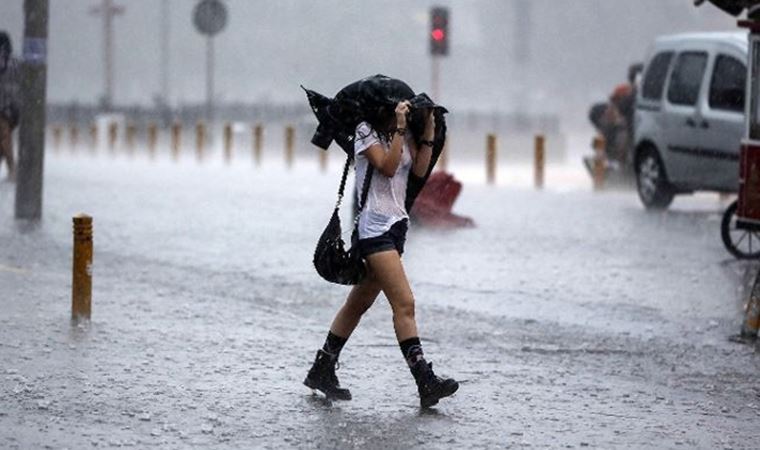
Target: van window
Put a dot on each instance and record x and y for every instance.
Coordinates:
(654, 80)
(728, 83)
(687, 78)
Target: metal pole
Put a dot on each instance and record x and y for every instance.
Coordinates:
(165, 50)
(435, 74)
(209, 78)
(34, 96)
(109, 10)
(108, 52)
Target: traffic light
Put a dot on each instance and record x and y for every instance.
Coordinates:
(439, 31)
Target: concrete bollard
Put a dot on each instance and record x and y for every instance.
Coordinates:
(290, 137)
(491, 159)
(152, 139)
(131, 132)
(113, 134)
(94, 136)
(81, 285)
(73, 136)
(258, 141)
(176, 139)
(200, 139)
(443, 160)
(751, 322)
(323, 158)
(228, 142)
(57, 136)
(539, 158)
(600, 162)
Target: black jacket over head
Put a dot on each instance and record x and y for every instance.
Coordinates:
(360, 101)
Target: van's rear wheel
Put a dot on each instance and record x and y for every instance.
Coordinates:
(651, 182)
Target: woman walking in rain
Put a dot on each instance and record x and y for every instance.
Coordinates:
(385, 143)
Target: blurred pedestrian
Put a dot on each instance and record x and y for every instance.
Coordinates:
(392, 151)
(9, 103)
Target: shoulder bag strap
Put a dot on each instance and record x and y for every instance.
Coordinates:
(365, 188)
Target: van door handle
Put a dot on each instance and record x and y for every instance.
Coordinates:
(705, 124)
(691, 123)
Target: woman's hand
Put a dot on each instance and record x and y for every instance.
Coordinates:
(402, 110)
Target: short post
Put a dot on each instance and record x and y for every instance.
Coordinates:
(94, 135)
(323, 157)
(57, 135)
(491, 159)
(81, 285)
(443, 160)
(258, 139)
(200, 139)
(176, 136)
(112, 135)
(751, 322)
(600, 162)
(131, 132)
(73, 135)
(228, 142)
(152, 139)
(539, 160)
(290, 134)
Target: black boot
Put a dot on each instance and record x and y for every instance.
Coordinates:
(430, 387)
(322, 377)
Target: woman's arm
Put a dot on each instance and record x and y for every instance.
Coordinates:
(387, 162)
(424, 152)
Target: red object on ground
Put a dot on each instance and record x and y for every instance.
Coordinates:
(433, 206)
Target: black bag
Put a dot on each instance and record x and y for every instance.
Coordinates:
(332, 261)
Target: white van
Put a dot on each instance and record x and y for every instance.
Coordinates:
(689, 117)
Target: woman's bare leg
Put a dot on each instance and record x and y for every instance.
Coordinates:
(390, 276)
(359, 300)
(392, 279)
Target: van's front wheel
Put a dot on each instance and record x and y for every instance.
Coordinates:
(651, 182)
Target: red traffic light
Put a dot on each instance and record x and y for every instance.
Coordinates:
(439, 31)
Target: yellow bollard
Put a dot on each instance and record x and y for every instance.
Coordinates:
(200, 139)
(176, 137)
(323, 160)
(491, 159)
(57, 134)
(152, 139)
(94, 136)
(258, 140)
(113, 130)
(751, 322)
(73, 136)
(600, 162)
(443, 160)
(130, 136)
(228, 142)
(539, 160)
(81, 285)
(290, 134)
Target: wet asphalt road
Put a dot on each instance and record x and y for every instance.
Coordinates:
(573, 320)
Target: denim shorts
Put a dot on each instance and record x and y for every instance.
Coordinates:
(393, 239)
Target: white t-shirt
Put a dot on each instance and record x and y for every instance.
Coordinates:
(386, 198)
